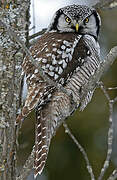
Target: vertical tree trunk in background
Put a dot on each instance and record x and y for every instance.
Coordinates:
(14, 14)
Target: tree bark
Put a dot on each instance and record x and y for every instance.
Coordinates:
(14, 14)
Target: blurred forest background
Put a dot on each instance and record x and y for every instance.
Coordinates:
(90, 127)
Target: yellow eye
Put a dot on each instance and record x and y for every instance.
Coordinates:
(67, 19)
(86, 20)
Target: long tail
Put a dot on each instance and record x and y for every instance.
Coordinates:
(48, 119)
(41, 143)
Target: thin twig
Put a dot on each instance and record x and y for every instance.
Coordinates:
(115, 99)
(89, 168)
(37, 34)
(103, 88)
(110, 135)
(112, 88)
(113, 176)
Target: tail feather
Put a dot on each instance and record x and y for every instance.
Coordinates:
(48, 119)
(41, 144)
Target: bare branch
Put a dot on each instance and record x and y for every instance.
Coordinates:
(103, 88)
(113, 176)
(110, 134)
(115, 100)
(89, 168)
(112, 88)
(37, 34)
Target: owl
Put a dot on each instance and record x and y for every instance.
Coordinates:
(69, 54)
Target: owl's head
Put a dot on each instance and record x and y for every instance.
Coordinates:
(76, 18)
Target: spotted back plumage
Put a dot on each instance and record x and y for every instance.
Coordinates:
(68, 58)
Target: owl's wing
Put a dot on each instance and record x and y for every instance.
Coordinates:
(38, 90)
(84, 62)
(93, 63)
(84, 72)
(54, 54)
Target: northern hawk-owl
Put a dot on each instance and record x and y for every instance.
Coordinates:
(69, 54)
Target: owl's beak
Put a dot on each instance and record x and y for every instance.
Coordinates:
(77, 27)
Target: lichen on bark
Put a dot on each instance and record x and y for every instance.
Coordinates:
(12, 13)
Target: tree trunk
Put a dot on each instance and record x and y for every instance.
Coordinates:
(14, 14)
